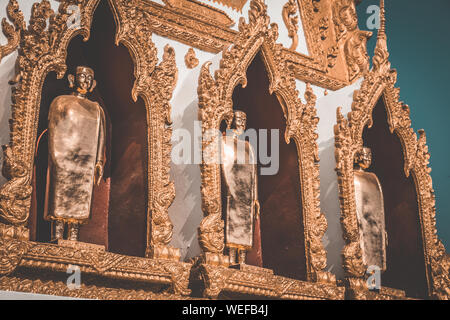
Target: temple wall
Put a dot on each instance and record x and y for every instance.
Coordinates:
(185, 211)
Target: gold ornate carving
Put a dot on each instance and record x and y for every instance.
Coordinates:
(290, 19)
(12, 32)
(380, 82)
(263, 283)
(193, 30)
(305, 69)
(13, 232)
(215, 105)
(323, 27)
(93, 260)
(11, 252)
(190, 59)
(350, 38)
(311, 16)
(15, 194)
(212, 36)
(109, 265)
(234, 4)
(155, 84)
(60, 288)
(201, 11)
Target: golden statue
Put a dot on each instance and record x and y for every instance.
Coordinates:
(76, 129)
(240, 173)
(370, 211)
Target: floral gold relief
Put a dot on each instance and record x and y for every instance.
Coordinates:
(190, 59)
(290, 19)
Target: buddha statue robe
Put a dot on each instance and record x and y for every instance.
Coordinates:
(76, 145)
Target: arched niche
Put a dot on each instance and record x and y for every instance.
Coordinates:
(118, 218)
(48, 44)
(135, 132)
(281, 221)
(254, 60)
(406, 266)
(416, 259)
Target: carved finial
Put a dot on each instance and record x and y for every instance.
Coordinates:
(290, 19)
(190, 59)
(380, 59)
(382, 31)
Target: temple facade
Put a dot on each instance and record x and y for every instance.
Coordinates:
(167, 74)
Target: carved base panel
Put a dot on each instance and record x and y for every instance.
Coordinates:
(382, 294)
(47, 285)
(13, 232)
(357, 290)
(93, 262)
(261, 283)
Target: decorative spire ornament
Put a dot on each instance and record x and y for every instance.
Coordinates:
(381, 56)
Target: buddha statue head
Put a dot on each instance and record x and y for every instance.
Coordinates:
(363, 158)
(240, 121)
(83, 81)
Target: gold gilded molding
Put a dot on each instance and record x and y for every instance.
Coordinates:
(15, 254)
(234, 4)
(201, 10)
(11, 252)
(290, 19)
(193, 30)
(60, 288)
(155, 84)
(380, 82)
(263, 283)
(190, 59)
(215, 105)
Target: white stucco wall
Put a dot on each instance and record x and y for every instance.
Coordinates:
(186, 212)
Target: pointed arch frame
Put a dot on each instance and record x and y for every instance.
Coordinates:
(215, 105)
(380, 83)
(42, 49)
